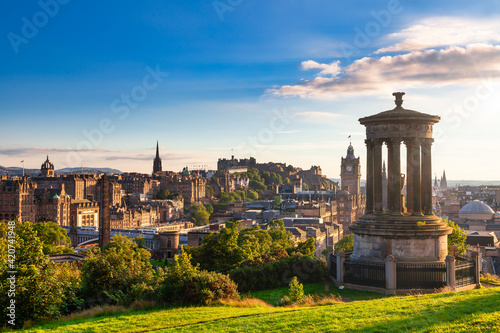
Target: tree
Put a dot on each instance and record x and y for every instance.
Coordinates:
(209, 191)
(257, 186)
(163, 194)
(290, 168)
(345, 244)
(295, 292)
(282, 238)
(43, 290)
(307, 248)
(54, 238)
(199, 214)
(117, 270)
(220, 252)
(252, 195)
(209, 208)
(457, 237)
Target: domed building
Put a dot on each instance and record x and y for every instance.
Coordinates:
(476, 210)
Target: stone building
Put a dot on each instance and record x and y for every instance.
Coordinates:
(17, 199)
(53, 205)
(235, 165)
(350, 200)
(84, 213)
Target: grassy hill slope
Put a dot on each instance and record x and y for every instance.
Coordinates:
(472, 311)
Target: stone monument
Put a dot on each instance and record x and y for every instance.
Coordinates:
(407, 229)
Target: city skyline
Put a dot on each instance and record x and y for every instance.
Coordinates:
(96, 85)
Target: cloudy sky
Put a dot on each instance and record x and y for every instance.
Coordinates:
(97, 83)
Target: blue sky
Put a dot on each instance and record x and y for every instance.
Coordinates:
(283, 81)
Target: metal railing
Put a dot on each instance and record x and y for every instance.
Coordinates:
(420, 275)
(366, 273)
(464, 272)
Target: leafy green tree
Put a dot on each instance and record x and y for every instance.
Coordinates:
(54, 238)
(209, 191)
(257, 186)
(163, 194)
(282, 238)
(118, 270)
(307, 247)
(252, 195)
(295, 292)
(287, 181)
(209, 208)
(345, 244)
(255, 241)
(457, 237)
(290, 168)
(221, 252)
(43, 290)
(199, 214)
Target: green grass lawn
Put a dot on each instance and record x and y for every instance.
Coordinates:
(273, 296)
(470, 311)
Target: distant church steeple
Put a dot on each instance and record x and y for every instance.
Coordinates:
(444, 183)
(157, 161)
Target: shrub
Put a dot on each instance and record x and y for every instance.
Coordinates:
(295, 293)
(185, 283)
(205, 287)
(121, 274)
(279, 273)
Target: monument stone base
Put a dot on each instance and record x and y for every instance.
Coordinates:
(408, 238)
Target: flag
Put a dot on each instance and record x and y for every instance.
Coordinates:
(22, 161)
(349, 137)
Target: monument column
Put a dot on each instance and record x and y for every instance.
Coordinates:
(395, 173)
(417, 195)
(377, 175)
(427, 177)
(389, 176)
(369, 176)
(409, 174)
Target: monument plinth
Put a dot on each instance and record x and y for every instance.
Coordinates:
(407, 228)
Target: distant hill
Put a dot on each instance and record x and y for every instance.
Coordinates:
(16, 171)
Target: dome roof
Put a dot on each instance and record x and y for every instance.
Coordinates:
(476, 210)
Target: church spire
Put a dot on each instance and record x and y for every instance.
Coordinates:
(157, 160)
(444, 183)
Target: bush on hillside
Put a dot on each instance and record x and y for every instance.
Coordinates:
(185, 283)
(279, 274)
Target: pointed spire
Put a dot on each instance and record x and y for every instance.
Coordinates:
(157, 150)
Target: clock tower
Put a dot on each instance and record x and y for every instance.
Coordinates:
(350, 172)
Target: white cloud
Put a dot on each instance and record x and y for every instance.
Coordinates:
(442, 32)
(434, 52)
(332, 69)
(425, 68)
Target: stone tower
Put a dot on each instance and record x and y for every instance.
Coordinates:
(47, 168)
(350, 172)
(157, 161)
(412, 233)
(105, 217)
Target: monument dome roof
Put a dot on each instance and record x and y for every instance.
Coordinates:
(479, 208)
